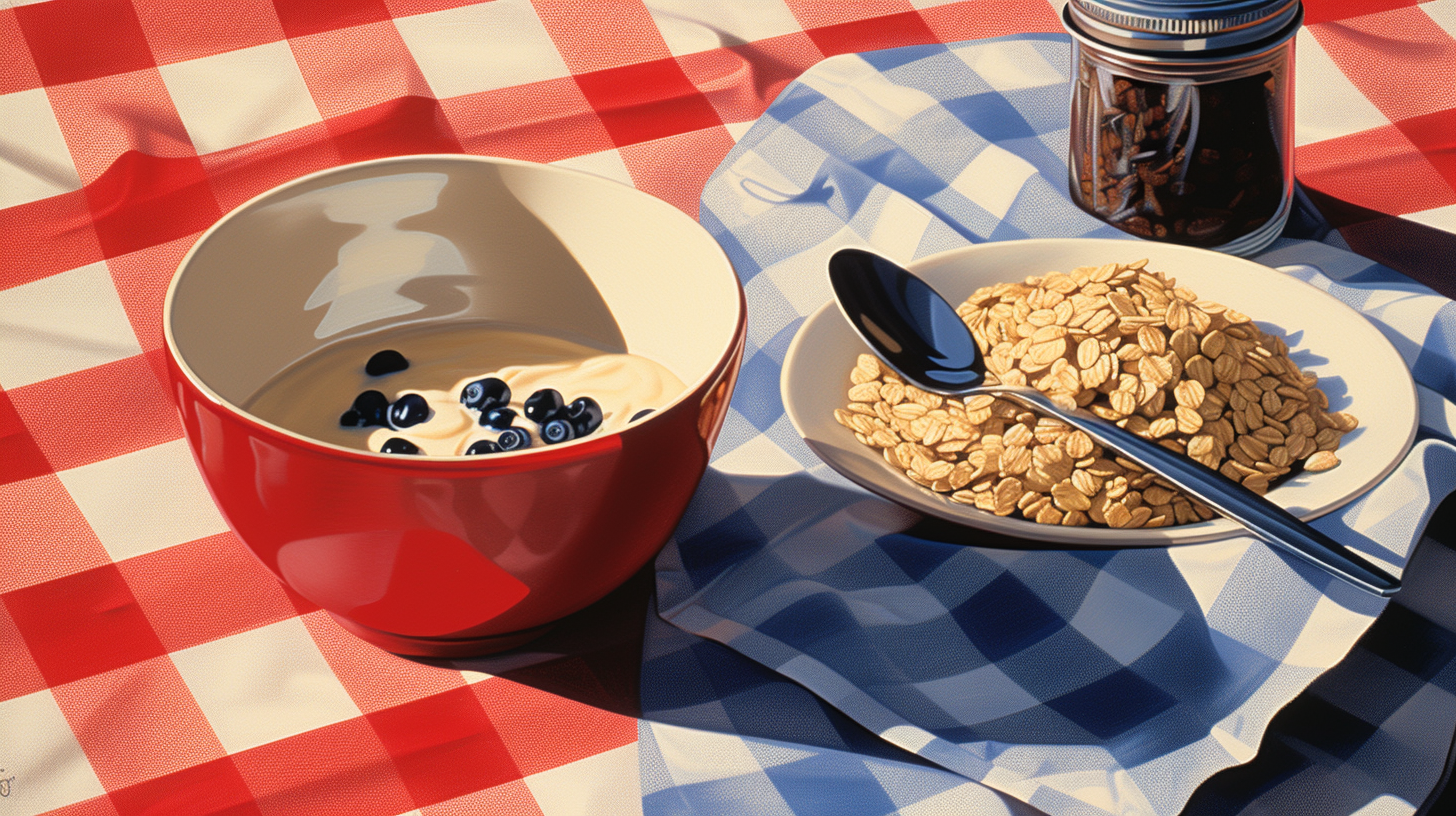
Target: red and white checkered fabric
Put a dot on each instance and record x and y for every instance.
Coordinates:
(148, 664)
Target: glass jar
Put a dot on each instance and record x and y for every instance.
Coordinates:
(1182, 118)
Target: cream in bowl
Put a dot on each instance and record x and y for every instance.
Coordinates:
(462, 390)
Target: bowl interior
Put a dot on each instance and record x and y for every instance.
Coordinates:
(364, 248)
(1357, 367)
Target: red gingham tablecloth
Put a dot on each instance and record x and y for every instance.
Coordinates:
(148, 663)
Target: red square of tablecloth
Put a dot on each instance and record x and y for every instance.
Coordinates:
(98, 413)
(203, 590)
(906, 28)
(1394, 177)
(1320, 11)
(1434, 134)
(187, 29)
(143, 200)
(543, 121)
(72, 40)
(215, 788)
(46, 237)
(648, 100)
(339, 768)
(444, 746)
(544, 731)
(137, 722)
(82, 624)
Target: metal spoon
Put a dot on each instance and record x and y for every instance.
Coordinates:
(920, 336)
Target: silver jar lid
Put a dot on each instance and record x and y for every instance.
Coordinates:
(1181, 25)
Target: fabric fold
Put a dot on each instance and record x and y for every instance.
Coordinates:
(1111, 681)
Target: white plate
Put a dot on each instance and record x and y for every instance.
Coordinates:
(1357, 367)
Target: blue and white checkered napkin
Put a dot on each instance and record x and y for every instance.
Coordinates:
(1076, 682)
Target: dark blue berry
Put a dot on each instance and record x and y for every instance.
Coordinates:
(385, 362)
(485, 394)
(513, 439)
(543, 405)
(482, 446)
(498, 418)
(556, 431)
(396, 445)
(351, 419)
(642, 413)
(371, 407)
(584, 414)
(410, 409)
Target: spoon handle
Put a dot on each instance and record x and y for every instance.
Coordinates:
(1262, 517)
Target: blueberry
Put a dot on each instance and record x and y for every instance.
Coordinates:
(369, 409)
(485, 394)
(498, 418)
(513, 439)
(584, 414)
(396, 445)
(556, 431)
(640, 414)
(543, 405)
(351, 419)
(410, 409)
(385, 362)
(482, 446)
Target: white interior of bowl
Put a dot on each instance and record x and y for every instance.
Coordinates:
(363, 248)
(1358, 368)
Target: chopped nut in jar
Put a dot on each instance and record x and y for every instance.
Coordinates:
(1131, 346)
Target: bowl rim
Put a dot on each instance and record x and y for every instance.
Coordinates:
(584, 446)
(1022, 532)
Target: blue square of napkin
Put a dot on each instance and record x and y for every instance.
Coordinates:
(1412, 641)
(1113, 705)
(1005, 617)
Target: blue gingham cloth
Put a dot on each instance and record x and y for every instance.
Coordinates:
(823, 651)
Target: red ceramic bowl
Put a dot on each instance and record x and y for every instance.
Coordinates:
(451, 556)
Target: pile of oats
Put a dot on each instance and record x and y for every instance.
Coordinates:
(1131, 346)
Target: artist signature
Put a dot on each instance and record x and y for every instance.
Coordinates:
(5, 783)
